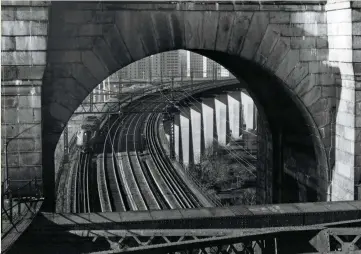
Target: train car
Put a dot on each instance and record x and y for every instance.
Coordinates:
(80, 135)
(87, 134)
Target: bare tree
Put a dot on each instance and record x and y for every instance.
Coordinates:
(217, 172)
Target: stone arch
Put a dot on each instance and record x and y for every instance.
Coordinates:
(90, 41)
(290, 113)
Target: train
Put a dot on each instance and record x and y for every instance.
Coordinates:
(86, 136)
(92, 127)
(89, 133)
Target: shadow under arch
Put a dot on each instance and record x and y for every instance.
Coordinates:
(284, 113)
(128, 35)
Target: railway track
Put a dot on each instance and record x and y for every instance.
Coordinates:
(79, 201)
(134, 143)
(127, 179)
(118, 189)
(99, 178)
(109, 178)
(184, 197)
(136, 180)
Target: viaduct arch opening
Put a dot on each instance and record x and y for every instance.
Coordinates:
(86, 45)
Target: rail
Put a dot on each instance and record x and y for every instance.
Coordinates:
(123, 101)
(19, 199)
(181, 187)
(211, 196)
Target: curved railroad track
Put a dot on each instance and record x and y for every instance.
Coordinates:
(132, 171)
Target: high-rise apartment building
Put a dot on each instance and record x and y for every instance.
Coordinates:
(213, 69)
(196, 65)
(171, 64)
(130, 71)
(155, 66)
(133, 70)
(224, 72)
(144, 68)
(183, 59)
(123, 73)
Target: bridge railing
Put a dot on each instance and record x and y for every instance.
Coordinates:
(17, 202)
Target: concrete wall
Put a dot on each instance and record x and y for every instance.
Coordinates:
(197, 129)
(185, 136)
(24, 28)
(221, 109)
(235, 111)
(264, 189)
(208, 114)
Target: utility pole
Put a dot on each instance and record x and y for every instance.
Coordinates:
(91, 101)
(171, 114)
(172, 142)
(119, 84)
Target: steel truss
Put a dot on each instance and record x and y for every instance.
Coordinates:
(337, 238)
(180, 244)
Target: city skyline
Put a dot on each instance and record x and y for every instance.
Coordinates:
(174, 63)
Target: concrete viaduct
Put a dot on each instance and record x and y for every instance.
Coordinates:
(300, 61)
